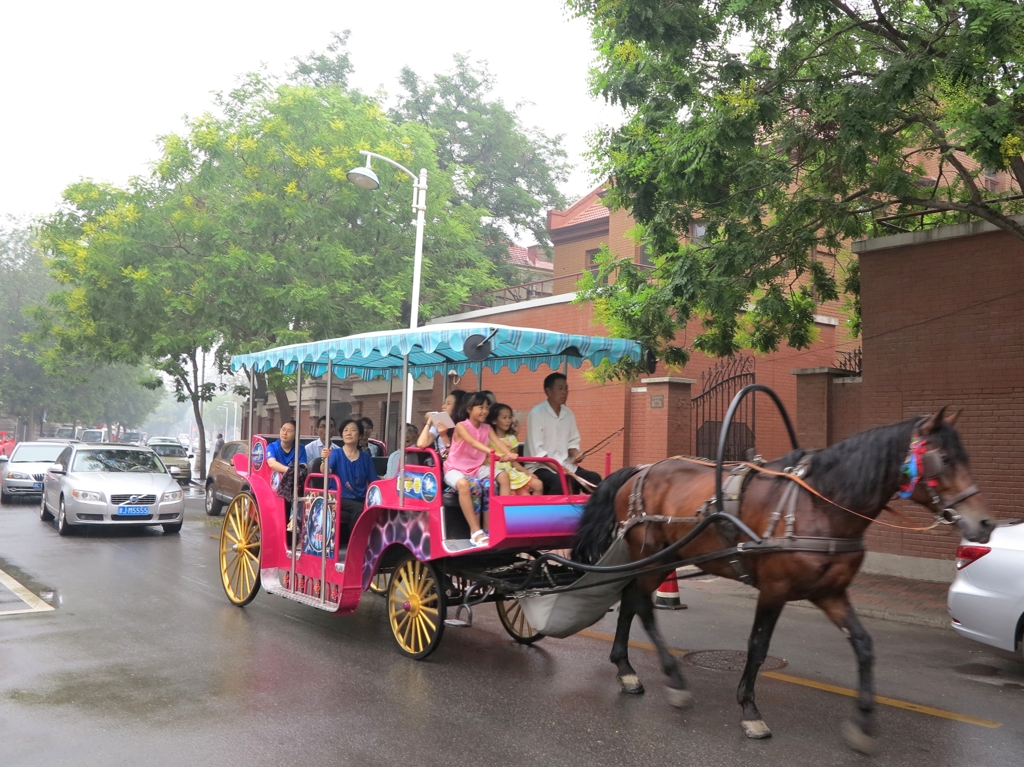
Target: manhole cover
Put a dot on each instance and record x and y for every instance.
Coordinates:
(729, 660)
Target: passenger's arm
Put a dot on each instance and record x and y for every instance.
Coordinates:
(574, 441)
(461, 432)
(276, 465)
(425, 439)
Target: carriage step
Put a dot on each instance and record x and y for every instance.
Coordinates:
(458, 622)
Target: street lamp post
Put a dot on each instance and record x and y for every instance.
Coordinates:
(365, 178)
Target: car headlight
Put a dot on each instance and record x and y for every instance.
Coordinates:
(87, 495)
(18, 475)
(172, 495)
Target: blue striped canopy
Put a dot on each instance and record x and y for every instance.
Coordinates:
(437, 349)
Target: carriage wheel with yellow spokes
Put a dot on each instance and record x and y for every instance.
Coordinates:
(512, 617)
(416, 607)
(240, 550)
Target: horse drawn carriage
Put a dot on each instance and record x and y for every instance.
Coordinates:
(411, 540)
(793, 528)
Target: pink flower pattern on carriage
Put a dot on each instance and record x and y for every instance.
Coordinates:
(408, 528)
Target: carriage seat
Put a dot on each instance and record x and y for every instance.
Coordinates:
(455, 525)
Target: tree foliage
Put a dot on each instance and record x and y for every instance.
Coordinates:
(787, 128)
(498, 164)
(33, 380)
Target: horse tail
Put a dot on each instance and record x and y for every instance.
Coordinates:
(597, 524)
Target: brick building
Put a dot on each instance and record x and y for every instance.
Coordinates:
(942, 313)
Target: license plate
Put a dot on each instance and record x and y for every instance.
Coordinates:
(37, 485)
(133, 511)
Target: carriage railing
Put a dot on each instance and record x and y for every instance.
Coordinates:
(493, 460)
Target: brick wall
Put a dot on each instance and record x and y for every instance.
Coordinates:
(942, 326)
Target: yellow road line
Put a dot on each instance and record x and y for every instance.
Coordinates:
(35, 604)
(938, 712)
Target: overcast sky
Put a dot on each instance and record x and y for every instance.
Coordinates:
(88, 86)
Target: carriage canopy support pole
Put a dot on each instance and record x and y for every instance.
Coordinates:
(387, 409)
(325, 470)
(406, 407)
(727, 422)
(252, 403)
(295, 473)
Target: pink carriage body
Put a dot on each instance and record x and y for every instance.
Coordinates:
(393, 523)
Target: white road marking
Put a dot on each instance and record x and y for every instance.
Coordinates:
(35, 604)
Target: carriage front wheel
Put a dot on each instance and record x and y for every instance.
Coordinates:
(512, 617)
(416, 607)
(240, 550)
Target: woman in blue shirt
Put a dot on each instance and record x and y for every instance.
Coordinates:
(354, 469)
(281, 456)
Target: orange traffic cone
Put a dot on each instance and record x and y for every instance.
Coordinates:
(667, 596)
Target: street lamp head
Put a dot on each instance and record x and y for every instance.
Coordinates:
(364, 178)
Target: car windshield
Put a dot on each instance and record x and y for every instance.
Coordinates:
(117, 461)
(37, 453)
(170, 451)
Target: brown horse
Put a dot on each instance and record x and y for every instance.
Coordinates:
(859, 476)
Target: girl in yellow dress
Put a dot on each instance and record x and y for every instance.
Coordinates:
(521, 481)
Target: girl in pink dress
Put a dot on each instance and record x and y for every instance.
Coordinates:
(467, 459)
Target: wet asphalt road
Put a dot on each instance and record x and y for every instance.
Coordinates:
(145, 662)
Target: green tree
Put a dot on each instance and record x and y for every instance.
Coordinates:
(68, 387)
(500, 165)
(787, 127)
(248, 235)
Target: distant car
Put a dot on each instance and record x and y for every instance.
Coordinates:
(93, 435)
(174, 457)
(21, 475)
(986, 601)
(111, 484)
(222, 482)
(65, 432)
(131, 438)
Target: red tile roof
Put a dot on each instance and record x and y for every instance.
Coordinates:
(527, 257)
(588, 208)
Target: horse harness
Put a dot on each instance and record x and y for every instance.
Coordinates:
(731, 503)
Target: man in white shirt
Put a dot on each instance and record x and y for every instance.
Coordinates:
(551, 432)
(315, 448)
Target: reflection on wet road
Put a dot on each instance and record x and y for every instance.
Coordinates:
(144, 661)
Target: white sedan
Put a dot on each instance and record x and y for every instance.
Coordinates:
(111, 485)
(986, 601)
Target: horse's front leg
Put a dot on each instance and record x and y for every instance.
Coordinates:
(860, 733)
(678, 695)
(768, 612)
(627, 676)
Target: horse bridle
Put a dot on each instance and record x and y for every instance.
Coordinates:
(931, 464)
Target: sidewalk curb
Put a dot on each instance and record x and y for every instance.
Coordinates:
(881, 613)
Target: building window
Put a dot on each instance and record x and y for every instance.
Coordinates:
(698, 229)
(591, 260)
(646, 257)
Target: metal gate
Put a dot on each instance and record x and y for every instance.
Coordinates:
(718, 386)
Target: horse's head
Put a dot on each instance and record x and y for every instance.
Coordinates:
(945, 485)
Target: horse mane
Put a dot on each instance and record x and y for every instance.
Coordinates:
(597, 523)
(861, 471)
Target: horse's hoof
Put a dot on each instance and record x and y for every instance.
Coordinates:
(631, 684)
(679, 698)
(859, 740)
(755, 729)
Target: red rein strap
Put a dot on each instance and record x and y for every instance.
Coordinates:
(812, 491)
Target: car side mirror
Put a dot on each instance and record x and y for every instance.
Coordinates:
(191, 455)
(4, 459)
(57, 468)
(175, 471)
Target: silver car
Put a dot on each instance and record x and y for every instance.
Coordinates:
(986, 601)
(108, 484)
(21, 476)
